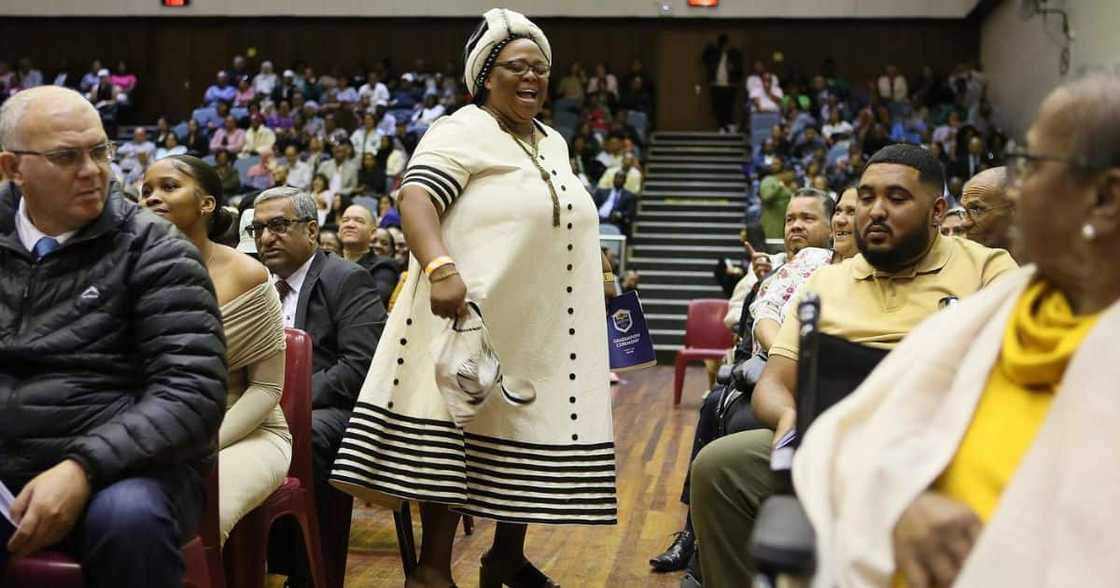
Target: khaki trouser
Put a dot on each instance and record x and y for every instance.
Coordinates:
(730, 478)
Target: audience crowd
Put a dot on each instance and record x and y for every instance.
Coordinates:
(890, 200)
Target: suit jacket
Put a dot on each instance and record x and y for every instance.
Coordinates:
(624, 208)
(339, 307)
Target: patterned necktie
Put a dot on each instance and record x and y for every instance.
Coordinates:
(44, 246)
(283, 288)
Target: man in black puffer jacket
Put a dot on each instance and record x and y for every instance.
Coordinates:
(112, 357)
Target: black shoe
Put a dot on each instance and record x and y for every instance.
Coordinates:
(675, 558)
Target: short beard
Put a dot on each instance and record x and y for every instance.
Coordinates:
(901, 256)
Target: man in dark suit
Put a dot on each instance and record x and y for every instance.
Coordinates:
(332, 299)
(616, 204)
(336, 302)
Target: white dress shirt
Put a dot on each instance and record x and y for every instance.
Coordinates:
(295, 281)
(29, 234)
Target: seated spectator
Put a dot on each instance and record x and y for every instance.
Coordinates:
(171, 146)
(29, 76)
(836, 129)
(254, 445)
(631, 167)
(104, 95)
(341, 171)
(223, 166)
(1007, 457)
(299, 171)
(377, 91)
(229, 138)
(316, 154)
(603, 81)
(239, 69)
(946, 134)
(328, 241)
(356, 232)
(264, 83)
(613, 151)
(371, 177)
(806, 237)
(988, 210)
(386, 122)
(387, 214)
(212, 120)
(847, 169)
(124, 468)
(163, 129)
(764, 92)
(953, 223)
(221, 91)
(129, 153)
(401, 249)
(775, 191)
(892, 85)
(245, 94)
(331, 299)
(807, 143)
(617, 205)
(90, 78)
(974, 161)
(366, 138)
(571, 86)
(260, 174)
(258, 137)
(899, 201)
(324, 200)
(347, 95)
(427, 115)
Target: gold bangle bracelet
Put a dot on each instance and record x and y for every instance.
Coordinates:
(443, 277)
(437, 263)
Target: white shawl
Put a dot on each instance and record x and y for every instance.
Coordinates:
(864, 461)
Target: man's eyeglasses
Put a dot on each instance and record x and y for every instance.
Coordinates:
(278, 226)
(520, 67)
(72, 156)
(973, 211)
(1022, 163)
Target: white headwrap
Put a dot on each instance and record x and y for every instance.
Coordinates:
(497, 30)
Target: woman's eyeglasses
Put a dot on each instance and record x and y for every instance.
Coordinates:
(1022, 163)
(520, 67)
(71, 156)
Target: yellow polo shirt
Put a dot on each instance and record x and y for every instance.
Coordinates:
(875, 308)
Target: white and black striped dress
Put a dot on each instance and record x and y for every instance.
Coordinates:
(540, 290)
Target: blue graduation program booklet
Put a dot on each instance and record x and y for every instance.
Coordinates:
(7, 527)
(628, 337)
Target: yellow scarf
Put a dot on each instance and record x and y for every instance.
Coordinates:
(1042, 337)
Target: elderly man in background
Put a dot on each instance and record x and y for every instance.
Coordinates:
(112, 359)
(258, 137)
(356, 234)
(989, 211)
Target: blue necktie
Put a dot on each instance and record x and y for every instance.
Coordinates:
(44, 246)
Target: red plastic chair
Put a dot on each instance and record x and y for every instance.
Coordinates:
(705, 337)
(247, 546)
(202, 555)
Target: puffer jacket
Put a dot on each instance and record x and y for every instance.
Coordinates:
(111, 350)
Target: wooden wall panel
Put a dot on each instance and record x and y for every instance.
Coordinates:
(176, 58)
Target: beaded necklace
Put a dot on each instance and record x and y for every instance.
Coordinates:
(532, 151)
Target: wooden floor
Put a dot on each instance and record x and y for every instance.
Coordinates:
(653, 441)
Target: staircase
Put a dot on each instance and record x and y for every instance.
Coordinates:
(692, 209)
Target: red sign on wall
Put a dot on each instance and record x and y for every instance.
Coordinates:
(175, 3)
(704, 3)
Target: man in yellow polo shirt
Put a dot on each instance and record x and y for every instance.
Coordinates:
(904, 269)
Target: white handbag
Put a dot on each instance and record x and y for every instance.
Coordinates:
(468, 369)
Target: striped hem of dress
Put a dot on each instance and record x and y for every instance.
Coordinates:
(510, 481)
(443, 188)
